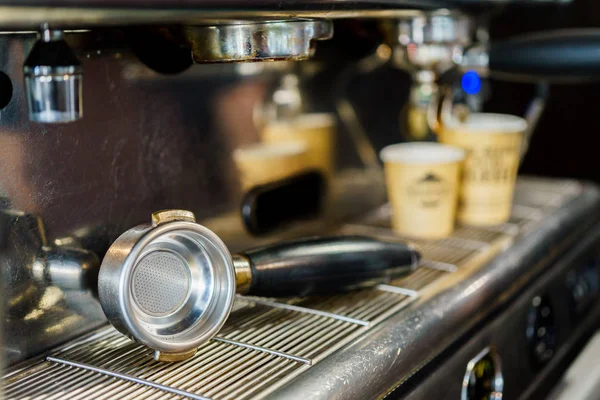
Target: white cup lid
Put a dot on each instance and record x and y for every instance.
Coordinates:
(312, 120)
(422, 153)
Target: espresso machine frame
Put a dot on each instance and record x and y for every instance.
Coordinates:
(154, 97)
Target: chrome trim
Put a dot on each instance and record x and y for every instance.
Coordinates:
(15, 18)
(498, 380)
(269, 40)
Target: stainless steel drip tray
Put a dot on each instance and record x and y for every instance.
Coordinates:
(274, 347)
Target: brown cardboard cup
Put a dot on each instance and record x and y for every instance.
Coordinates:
(267, 162)
(493, 146)
(422, 183)
(316, 130)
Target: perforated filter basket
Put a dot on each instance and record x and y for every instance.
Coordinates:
(169, 285)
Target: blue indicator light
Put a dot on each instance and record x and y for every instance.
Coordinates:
(471, 82)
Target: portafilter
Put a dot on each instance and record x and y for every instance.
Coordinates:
(171, 285)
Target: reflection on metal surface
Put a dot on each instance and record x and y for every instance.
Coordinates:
(103, 13)
(256, 40)
(431, 41)
(15, 17)
(399, 290)
(66, 268)
(53, 80)
(400, 328)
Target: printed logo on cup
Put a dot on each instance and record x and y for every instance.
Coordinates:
(492, 164)
(429, 190)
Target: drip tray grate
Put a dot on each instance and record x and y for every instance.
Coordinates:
(267, 342)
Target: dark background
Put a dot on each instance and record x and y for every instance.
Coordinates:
(565, 143)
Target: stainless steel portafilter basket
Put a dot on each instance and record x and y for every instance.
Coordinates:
(170, 285)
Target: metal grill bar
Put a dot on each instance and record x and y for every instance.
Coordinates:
(126, 378)
(306, 310)
(266, 343)
(398, 290)
(240, 388)
(475, 245)
(264, 350)
(439, 265)
(419, 279)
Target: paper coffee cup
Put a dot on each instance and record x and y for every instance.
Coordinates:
(493, 146)
(267, 162)
(316, 130)
(422, 183)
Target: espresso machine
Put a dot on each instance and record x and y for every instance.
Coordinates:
(113, 110)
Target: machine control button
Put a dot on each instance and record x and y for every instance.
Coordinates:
(483, 378)
(541, 329)
(583, 287)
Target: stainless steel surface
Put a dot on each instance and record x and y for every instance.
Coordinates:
(169, 286)
(506, 331)
(147, 141)
(431, 41)
(32, 13)
(17, 17)
(53, 80)
(269, 40)
(256, 4)
(243, 273)
(404, 326)
(396, 349)
(582, 379)
(66, 268)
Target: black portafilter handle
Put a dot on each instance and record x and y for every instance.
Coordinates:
(567, 55)
(325, 265)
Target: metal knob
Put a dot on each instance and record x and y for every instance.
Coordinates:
(53, 80)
